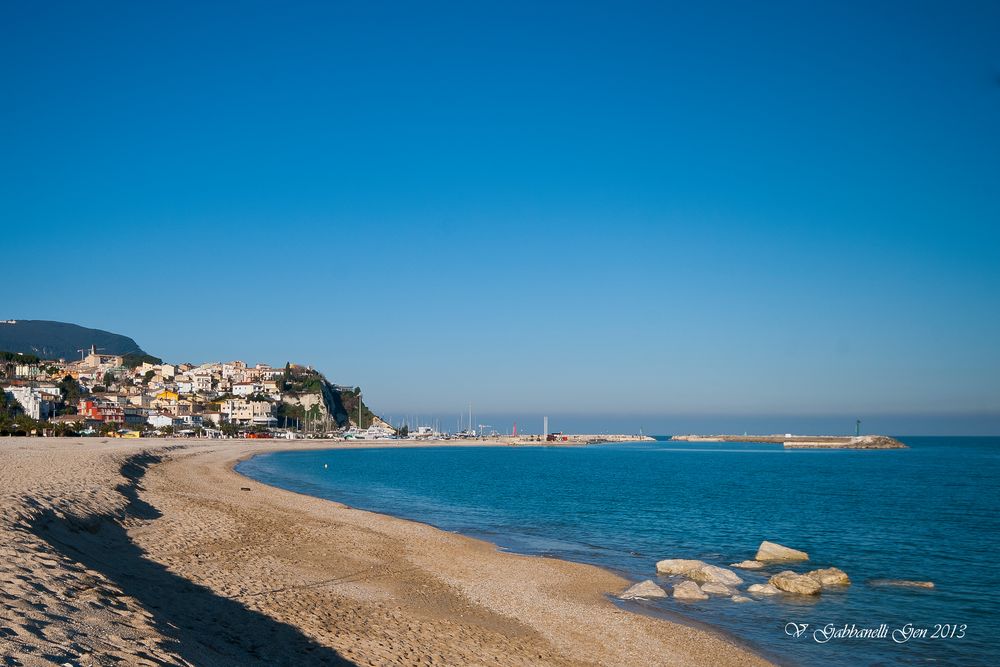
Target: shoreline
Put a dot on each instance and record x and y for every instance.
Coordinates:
(141, 542)
(630, 606)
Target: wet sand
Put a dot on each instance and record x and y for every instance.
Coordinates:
(156, 552)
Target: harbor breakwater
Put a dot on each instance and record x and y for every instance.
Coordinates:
(804, 441)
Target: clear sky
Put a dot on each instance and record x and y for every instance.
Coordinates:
(681, 215)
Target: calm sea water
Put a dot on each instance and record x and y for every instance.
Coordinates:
(929, 513)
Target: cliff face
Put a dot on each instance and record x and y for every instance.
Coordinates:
(312, 398)
(61, 340)
(348, 402)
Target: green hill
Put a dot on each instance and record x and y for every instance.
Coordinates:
(61, 340)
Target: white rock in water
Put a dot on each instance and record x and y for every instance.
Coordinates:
(770, 551)
(831, 576)
(713, 588)
(644, 589)
(714, 574)
(763, 589)
(678, 565)
(748, 565)
(790, 582)
(906, 583)
(688, 590)
(741, 598)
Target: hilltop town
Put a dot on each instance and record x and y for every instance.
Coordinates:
(133, 395)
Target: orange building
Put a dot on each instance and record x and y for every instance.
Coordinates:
(101, 410)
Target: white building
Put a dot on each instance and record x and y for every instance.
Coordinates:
(242, 411)
(266, 372)
(141, 400)
(145, 367)
(203, 383)
(160, 421)
(246, 388)
(33, 401)
(27, 371)
(233, 370)
(211, 418)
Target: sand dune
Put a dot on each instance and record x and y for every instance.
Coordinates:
(150, 553)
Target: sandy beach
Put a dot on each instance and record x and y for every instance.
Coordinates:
(156, 553)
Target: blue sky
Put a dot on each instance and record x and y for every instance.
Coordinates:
(679, 215)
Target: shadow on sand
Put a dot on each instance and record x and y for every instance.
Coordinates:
(207, 629)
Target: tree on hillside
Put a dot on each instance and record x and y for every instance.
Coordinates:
(8, 406)
(313, 415)
(288, 412)
(19, 357)
(286, 377)
(133, 360)
(71, 391)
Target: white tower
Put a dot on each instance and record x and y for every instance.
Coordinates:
(545, 426)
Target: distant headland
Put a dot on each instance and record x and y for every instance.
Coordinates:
(54, 340)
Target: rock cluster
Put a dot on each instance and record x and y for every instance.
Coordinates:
(810, 583)
(699, 571)
(720, 581)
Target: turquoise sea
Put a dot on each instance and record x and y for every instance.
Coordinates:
(927, 513)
